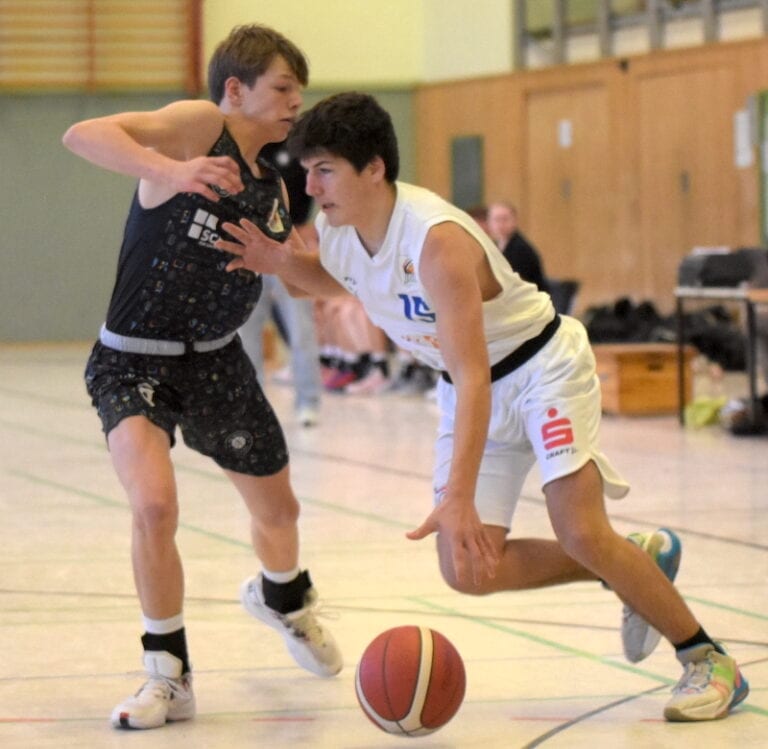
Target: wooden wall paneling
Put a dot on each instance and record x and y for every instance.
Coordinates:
(432, 152)
(482, 107)
(569, 174)
(654, 170)
(691, 190)
(686, 177)
(752, 76)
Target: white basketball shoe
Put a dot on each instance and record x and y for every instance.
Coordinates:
(310, 644)
(166, 695)
(639, 638)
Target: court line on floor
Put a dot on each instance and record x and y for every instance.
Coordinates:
(567, 649)
(409, 473)
(116, 504)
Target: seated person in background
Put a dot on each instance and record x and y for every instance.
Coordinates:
(520, 253)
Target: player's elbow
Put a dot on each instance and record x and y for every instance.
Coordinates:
(73, 137)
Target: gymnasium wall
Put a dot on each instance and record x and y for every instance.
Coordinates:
(619, 167)
(62, 218)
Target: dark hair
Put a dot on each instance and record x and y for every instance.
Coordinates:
(247, 53)
(353, 126)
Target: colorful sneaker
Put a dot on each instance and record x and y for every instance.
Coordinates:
(165, 696)
(710, 685)
(639, 638)
(311, 646)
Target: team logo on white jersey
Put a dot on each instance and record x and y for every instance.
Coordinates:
(408, 271)
(204, 228)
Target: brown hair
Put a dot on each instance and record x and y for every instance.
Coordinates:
(247, 53)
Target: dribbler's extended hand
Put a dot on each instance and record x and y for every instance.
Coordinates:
(474, 556)
(255, 251)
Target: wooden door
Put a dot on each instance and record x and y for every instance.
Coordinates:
(567, 197)
(687, 177)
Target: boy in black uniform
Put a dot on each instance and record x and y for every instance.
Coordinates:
(169, 355)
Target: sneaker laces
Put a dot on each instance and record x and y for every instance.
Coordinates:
(695, 678)
(156, 686)
(304, 622)
(163, 687)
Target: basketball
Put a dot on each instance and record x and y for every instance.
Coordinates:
(410, 681)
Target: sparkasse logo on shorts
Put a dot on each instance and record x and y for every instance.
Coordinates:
(557, 433)
(203, 228)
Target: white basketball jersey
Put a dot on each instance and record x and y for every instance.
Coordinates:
(390, 288)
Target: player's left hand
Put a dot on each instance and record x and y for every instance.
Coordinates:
(474, 555)
(254, 250)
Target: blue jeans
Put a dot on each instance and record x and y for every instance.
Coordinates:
(299, 321)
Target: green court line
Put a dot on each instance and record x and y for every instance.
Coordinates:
(484, 622)
(46, 399)
(220, 477)
(491, 624)
(109, 502)
(51, 436)
(561, 647)
(118, 505)
(725, 607)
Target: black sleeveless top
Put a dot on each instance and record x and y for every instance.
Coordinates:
(171, 281)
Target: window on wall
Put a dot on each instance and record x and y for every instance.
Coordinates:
(100, 45)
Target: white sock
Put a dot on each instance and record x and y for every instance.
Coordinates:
(163, 626)
(281, 577)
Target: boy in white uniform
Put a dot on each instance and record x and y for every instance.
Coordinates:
(518, 385)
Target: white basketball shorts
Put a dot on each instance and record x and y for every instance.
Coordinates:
(548, 410)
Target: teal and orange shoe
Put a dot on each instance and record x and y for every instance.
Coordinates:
(709, 688)
(639, 638)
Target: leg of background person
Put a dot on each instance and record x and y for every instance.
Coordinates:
(373, 344)
(252, 331)
(304, 352)
(350, 344)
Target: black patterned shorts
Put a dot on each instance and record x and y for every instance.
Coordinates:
(214, 398)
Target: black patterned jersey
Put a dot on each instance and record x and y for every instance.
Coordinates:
(171, 281)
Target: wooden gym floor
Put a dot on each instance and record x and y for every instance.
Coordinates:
(544, 667)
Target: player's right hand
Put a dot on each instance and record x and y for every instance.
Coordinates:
(209, 176)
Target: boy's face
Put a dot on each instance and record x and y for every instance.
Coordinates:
(339, 190)
(274, 99)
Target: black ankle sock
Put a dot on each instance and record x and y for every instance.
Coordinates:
(362, 366)
(382, 365)
(700, 638)
(286, 597)
(174, 643)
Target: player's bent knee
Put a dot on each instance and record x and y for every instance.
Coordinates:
(585, 547)
(152, 516)
(277, 514)
(467, 586)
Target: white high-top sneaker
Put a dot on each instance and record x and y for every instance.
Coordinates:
(311, 645)
(166, 695)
